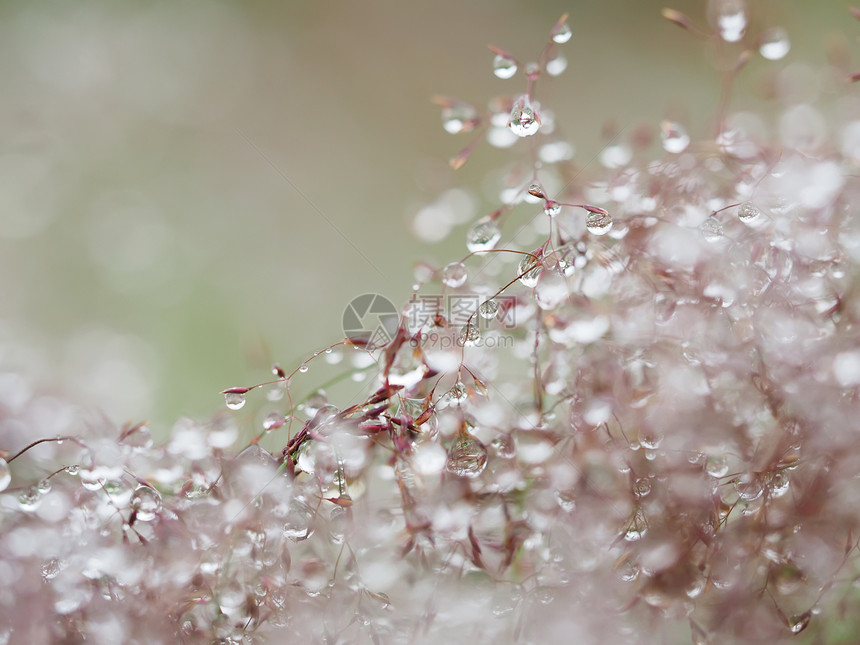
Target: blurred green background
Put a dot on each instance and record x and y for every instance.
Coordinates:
(193, 190)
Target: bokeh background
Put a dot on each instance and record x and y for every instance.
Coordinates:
(191, 191)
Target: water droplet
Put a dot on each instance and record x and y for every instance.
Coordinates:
(458, 392)
(712, 230)
(51, 568)
(273, 420)
(798, 623)
(488, 309)
(5, 475)
(298, 523)
(234, 400)
(504, 66)
(504, 446)
(44, 486)
(551, 290)
(469, 336)
(147, 502)
(717, 466)
(778, 485)
(483, 236)
(642, 486)
(529, 271)
(73, 469)
(650, 440)
(536, 192)
(524, 121)
(562, 33)
(749, 487)
(556, 65)
(774, 44)
(674, 136)
(454, 275)
(730, 17)
(303, 368)
(552, 208)
(598, 223)
(459, 117)
(30, 499)
(467, 457)
(748, 213)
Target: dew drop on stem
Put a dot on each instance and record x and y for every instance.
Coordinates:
(504, 67)
(674, 137)
(748, 213)
(5, 475)
(234, 400)
(774, 44)
(483, 236)
(598, 223)
(488, 309)
(454, 275)
(467, 457)
(562, 33)
(524, 120)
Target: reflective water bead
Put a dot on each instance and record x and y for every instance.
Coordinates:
(562, 33)
(469, 336)
(674, 137)
(234, 400)
(30, 499)
(467, 457)
(524, 121)
(748, 212)
(730, 18)
(712, 230)
(556, 65)
(146, 502)
(73, 469)
(5, 474)
(44, 486)
(774, 44)
(551, 290)
(552, 208)
(504, 67)
(488, 309)
(717, 466)
(303, 368)
(529, 271)
(273, 420)
(483, 236)
(458, 392)
(598, 223)
(643, 486)
(459, 117)
(454, 275)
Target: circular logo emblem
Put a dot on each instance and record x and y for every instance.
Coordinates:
(370, 320)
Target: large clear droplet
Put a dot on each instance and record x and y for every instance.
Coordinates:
(234, 400)
(774, 44)
(748, 213)
(674, 136)
(30, 499)
(730, 19)
(483, 236)
(529, 271)
(524, 121)
(5, 475)
(504, 66)
(469, 336)
(551, 290)
(598, 223)
(146, 502)
(562, 33)
(467, 457)
(712, 230)
(552, 208)
(488, 309)
(459, 117)
(454, 275)
(556, 65)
